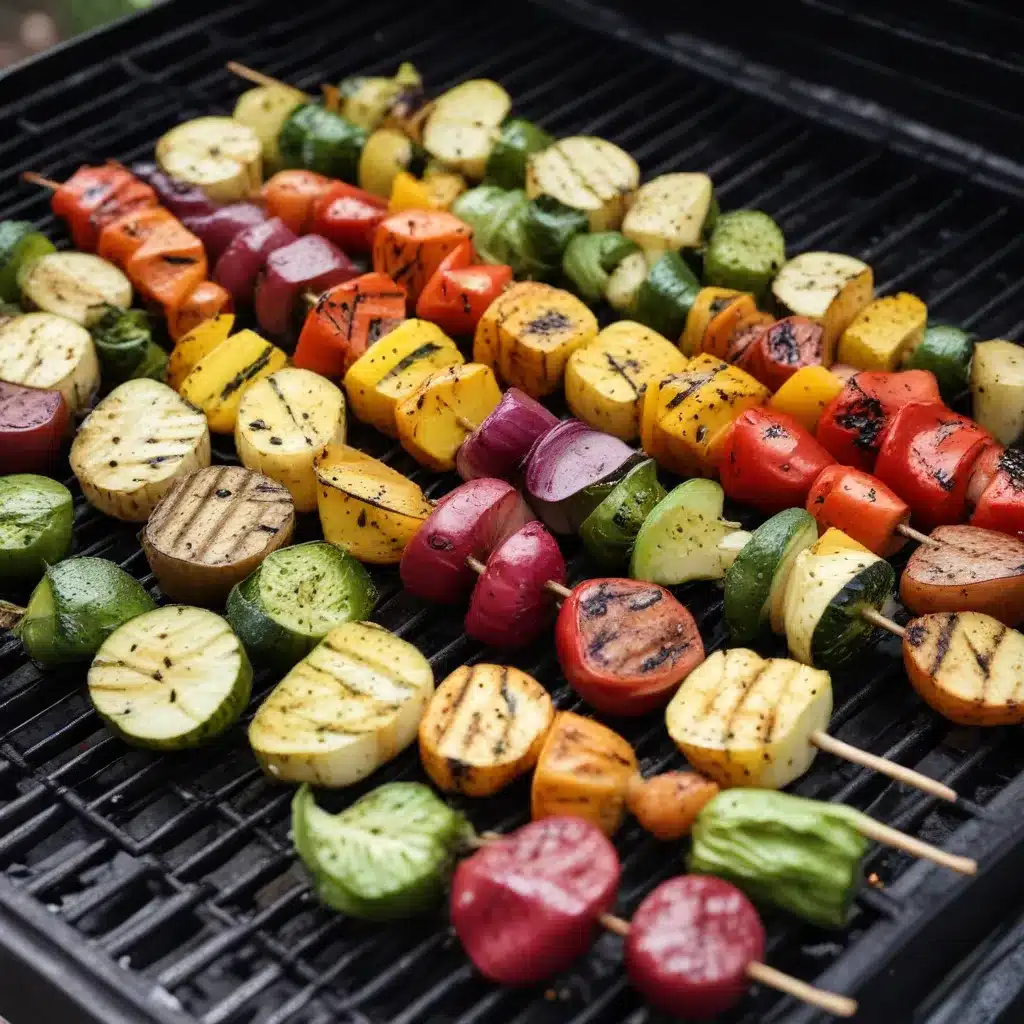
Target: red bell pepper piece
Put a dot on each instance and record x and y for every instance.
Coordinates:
(783, 348)
(290, 195)
(94, 196)
(457, 295)
(852, 423)
(346, 321)
(348, 216)
(769, 460)
(1001, 505)
(625, 646)
(861, 506)
(926, 456)
(33, 422)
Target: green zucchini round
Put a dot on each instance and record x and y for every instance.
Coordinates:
(36, 518)
(945, 351)
(745, 252)
(666, 296)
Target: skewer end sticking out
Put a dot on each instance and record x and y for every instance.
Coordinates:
(37, 179)
(872, 829)
(921, 538)
(830, 1002)
(877, 619)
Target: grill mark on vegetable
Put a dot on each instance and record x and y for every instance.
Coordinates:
(664, 655)
(694, 385)
(160, 529)
(621, 371)
(248, 373)
(984, 658)
(773, 715)
(276, 388)
(943, 641)
(748, 688)
(423, 352)
(501, 744)
(455, 705)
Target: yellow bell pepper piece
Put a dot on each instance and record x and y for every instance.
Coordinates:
(833, 541)
(437, 192)
(805, 395)
(708, 304)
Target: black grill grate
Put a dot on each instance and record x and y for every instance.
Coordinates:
(162, 887)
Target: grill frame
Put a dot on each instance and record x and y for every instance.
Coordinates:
(47, 954)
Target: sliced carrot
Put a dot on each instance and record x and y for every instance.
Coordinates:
(410, 246)
(207, 300)
(290, 195)
(168, 266)
(123, 237)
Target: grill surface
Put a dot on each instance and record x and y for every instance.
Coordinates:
(162, 888)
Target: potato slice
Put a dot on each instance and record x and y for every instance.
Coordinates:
(997, 389)
(218, 380)
(826, 287)
(743, 720)
(528, 334)
(366, 507)
(969, 667)
(605, 380)
(284, 420)
(670, 212)
(463, 126)
(588, 174)
(212, 529)
(388, 371)
(444, 410)
(584, 770)
(192, 347)
(971, 569)
(219, 154)
(883, 332)
(484, 728)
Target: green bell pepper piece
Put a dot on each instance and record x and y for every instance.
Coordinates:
(318, 140)
(506, 166)
(666, 296)
(589, 260)
(945, 351)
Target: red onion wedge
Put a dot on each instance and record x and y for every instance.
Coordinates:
(499, 444)
(243, 259)
(510, 606)
(310, 263)
(563, 464)
(180, 197)
(217, 230)
(472, 520)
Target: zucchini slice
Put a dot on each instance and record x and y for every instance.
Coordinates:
(824, 599)
(75, 285)
(625, 283)
(36, 517)
(212, 529)
(463, 126)
(173, 678)
(295, 598)
(672, 211)
(997, 389)
(755, 584)
(264, 111)
(41, 350)
(134, 445)
(219, 154)
(745, 252)
(506, 166)
(352, 704)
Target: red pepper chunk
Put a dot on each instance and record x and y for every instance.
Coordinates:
(785, 347)
(1001, 505)
(861, 506)
(290, 195)
(625, 646)
(457, 295)
(926, 456)
(94, 196)
(348, 216)
(852, 424)
(770, 461)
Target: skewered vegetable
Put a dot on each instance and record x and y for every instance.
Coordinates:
(946, 352)
(805, 395)
(570, 470)
(967, 666)
(240, 263)
(264, 111)
(193, 346)
(20, 246)
(927, 454)
(484, 728)
(387, 856)
(745, 252)
(289, 196)
(320, 140)
(590, 260)
(368, 100)
(826, 287)
(756, 582)
(468, 522)
(528, 334)
(284, 421)
(605, 380)
(383, 375)
(463, 126)
(367, 508)
(861, 506)
(348, 216)
(436, 191)
(883, 332)
(770, 461)
(625, 646)
(182, 198)
(41, 350)
(387, 154)
(446, 407)
(826, 594)
(746, 721)
(459, 293)
(774, 351)
(94, 196)
(547, 883)
(1000, 504)
(218, 228)
(690, 945)
(352, 704)
(583, 768)
(213, 528)
(685, 538)
(410, 246)
(667, 805)
(222, 156)
(997, 389)
(664, 295)
(134, 445)
(171, 678)
(500, 444)
(517, 140)
(78, 603)
(74, 285)
(588, 174)
(294, 598)
(673, 211)
(511, 604)
(610, 531)
(125, 346)
(967, 569)
(704, 307)
(36, 516)
(33, 422)
(801, 855)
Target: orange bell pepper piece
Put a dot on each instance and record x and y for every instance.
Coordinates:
(410, 246)
(206, 300)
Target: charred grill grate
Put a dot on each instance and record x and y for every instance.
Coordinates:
(162, 887)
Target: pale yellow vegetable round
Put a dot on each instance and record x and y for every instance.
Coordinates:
(265, 110)
(463, 126)
(219, 154)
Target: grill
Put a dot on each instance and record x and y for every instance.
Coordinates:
(157, 888)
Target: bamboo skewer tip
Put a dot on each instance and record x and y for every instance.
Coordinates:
(872, 829)
(256, 77)
(921, 538)
(37, 179)
(553, 587)
(878, 619)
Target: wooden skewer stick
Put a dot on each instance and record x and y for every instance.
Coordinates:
(830, 1002)
(872, 829)
(921, 538)
(37, 179)
(878, 619)
(10, 615)
(254, 76)
(558, 589)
